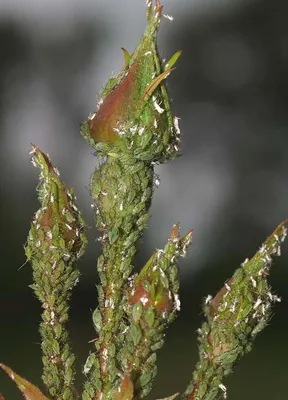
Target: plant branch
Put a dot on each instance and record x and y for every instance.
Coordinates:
(235, 316)
(56, 240)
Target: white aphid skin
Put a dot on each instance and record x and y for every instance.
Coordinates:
(56, 171)
(245, 262)
(224, 390)
(227, 287)
(262, 249)
(66, 256)
(75, 207)
(105, 353)
(148, 53)
(91, 116)
(144, 300)
(33, 162)
(268, 258)
(262, 271)
(133, 129)
(177, 302)
(33, 151)
(254, 316)
(159, 252)
(174, 240)
(169, 17)
(172, 260)
(254, 283)
(257, 303)
(277, 299)
(199, 331)
(233, 306)
(284, 233)
(70, 195)
(100, 101)
(208, 299)
(176, 125)
(125, 330)
(159, 109)
(264, 308)
(141, 130)
(37, 214)
(157, 182)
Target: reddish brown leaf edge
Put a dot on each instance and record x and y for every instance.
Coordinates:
(29, 391)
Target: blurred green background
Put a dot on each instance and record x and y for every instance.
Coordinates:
(230, 184)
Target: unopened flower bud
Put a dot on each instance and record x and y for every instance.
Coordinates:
(134, 116)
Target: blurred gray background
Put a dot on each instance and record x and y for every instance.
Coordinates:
(230, 184)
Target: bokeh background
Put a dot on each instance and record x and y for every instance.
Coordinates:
(230, 184)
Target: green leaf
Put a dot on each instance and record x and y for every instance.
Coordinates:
(173, 60)
(127, 57)
(113, 235)
(135, 333)
(97, 320)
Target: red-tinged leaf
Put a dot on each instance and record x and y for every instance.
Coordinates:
(175, 235)
(29, 391)
(125, 390)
